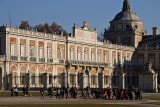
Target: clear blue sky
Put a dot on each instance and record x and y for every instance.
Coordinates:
(66, 12)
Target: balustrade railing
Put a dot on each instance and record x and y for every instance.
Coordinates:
(33, 59)
(23, 58)
(41, 59)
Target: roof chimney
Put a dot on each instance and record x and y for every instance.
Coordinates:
(154, 31)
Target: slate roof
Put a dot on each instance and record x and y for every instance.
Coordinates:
(150, 41)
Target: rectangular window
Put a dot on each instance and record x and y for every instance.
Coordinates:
(41, 52)
(72, 54)
(113, 60)
(22, 50)
(49, 53)
(61, 54)
(13, 50)
(105, 58)
(86, 56)
(93, 57)
(99, 57)
(32, 51)
(79, 55)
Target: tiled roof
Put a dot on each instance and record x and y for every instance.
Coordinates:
(150, 41)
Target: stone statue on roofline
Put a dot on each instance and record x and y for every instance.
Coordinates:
(148, 68)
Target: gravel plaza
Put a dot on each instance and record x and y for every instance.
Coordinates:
(34, 100)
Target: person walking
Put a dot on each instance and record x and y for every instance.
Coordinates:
(42, 93)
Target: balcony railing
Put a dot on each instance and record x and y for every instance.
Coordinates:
(14, 58)
(50, 60)
(33, 59)
(41, 59)
(61, 61)
(23, 58)
(87, 63)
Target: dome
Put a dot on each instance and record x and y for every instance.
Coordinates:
(126, 15)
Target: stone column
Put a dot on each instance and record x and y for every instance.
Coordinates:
(37, 77)
(155, 83)
(18, 48)
(122, 80)
(45, 50)
(89, 80)
(69, 80)
(10, 81)
(96, 85)
(76, 79)
(27, 49)
(36, 50)
(18, 76)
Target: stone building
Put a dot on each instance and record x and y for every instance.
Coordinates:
(42, 60)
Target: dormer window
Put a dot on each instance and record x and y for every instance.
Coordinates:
(127, 26)
(119, 26)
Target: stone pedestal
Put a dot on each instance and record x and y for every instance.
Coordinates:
(148, 82)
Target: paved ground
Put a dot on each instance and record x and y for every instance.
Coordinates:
(36, 100)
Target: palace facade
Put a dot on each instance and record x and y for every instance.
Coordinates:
(39, 59)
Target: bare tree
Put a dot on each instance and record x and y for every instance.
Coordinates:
(25, 25)
(54, 28)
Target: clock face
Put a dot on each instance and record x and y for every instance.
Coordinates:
(119, 26)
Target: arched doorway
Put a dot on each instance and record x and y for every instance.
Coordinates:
(1, 78)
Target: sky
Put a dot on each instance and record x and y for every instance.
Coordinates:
(98, 13)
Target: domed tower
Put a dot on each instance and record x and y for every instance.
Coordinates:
(126, 28)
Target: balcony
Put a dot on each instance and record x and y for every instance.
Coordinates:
(50, 60)
(41, 59)
(61, 61)
(33, 59)
(77, 62)
(14, 58)
(23, 58)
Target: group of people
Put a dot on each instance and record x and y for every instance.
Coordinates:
(115, 93)
(63, 92)
(95, 93)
